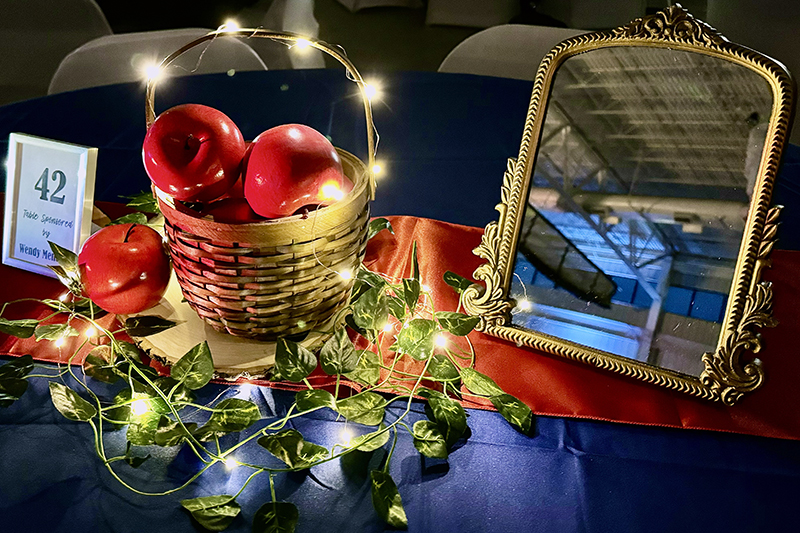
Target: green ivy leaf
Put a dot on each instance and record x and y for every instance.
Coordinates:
(449, 416)
(142, 428)
(22, 329)
(459, 283)
(231, 414)
(428, 440)
(196, 368)
(66, 259)
(478, 383)
(292, 361)
(365, 408)
(514, 411)
(457, 323)
(368, 369)
(386, 499)
(290, 447)
(70, 404)
(54, 332)
(378, 225)
(338, 355)
(142, 326)
(371, 310)
(416, 338)
(215, 513)
(144, 201)
(275, 517)
(170, 433)
(397, 307)
(371, 441)
(97, 365)
(365, 280)
(414, 262)
(127, 350)
(17, 368)
(411, 288)
(12, 382)
(307, 400)
(11, 389)
(136, 218)
(441, 367)
(181, 394)
(133, 460)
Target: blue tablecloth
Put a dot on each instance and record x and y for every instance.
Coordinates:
(444, 144)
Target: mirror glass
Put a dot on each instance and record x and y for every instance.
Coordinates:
(639, 197)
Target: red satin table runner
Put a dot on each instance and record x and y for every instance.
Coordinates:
(550, 385)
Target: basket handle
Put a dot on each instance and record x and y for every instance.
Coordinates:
(285, 37)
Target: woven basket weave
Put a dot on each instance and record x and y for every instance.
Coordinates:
(274, 278)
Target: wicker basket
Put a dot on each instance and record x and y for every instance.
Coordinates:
(279, 277)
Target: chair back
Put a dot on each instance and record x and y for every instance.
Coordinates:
(506, 51)
(35, 35)
(124, 57)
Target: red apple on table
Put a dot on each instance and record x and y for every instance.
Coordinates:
(289, 167)
(124, 268)
(193, 152)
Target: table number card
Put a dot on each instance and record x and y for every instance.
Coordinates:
(49, 197)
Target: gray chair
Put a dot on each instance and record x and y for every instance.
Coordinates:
(123, 58)
(507, 51)
(35, 35)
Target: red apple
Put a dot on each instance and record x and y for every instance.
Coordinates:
(193, 152)
(291, 166)
(231, 211)
(124, 268)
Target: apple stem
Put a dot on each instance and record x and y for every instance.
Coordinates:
(186, 145)
(128, 233)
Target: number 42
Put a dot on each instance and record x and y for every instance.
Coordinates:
(44, 189)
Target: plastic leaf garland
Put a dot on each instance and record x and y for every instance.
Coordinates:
(401, 328)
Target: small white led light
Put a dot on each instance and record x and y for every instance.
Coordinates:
(346, 274)
(331, 191)
(302, 44)
(230, 25)
(441, 340)
(60, 342)
(346, 435)
(91, 332)
(372, 91)
(524, 304)
(152, 71)
(230, 463)
(377, 169)
(63, 297)
(140, 407)
(426, 288)
(388, 328)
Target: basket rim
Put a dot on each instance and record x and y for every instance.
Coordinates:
(322, 219)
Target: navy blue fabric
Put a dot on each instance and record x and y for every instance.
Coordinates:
(444, 142)
(569, 476)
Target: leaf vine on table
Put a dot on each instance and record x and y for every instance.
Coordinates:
(407, 352)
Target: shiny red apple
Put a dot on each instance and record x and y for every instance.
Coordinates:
(193, 152)
(231, 211)
(291, 166)
(124, 268)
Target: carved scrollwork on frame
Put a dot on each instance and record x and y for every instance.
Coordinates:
(725, 372)
(672, 24)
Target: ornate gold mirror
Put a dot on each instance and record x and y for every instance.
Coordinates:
(636, 220)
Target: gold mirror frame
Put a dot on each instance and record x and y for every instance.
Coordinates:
(727, 376)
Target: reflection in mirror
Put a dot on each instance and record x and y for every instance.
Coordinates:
(640, 193)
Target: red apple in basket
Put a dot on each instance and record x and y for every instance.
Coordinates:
(231, 210)
(193, 152)
(124, 268)
(291, 166)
